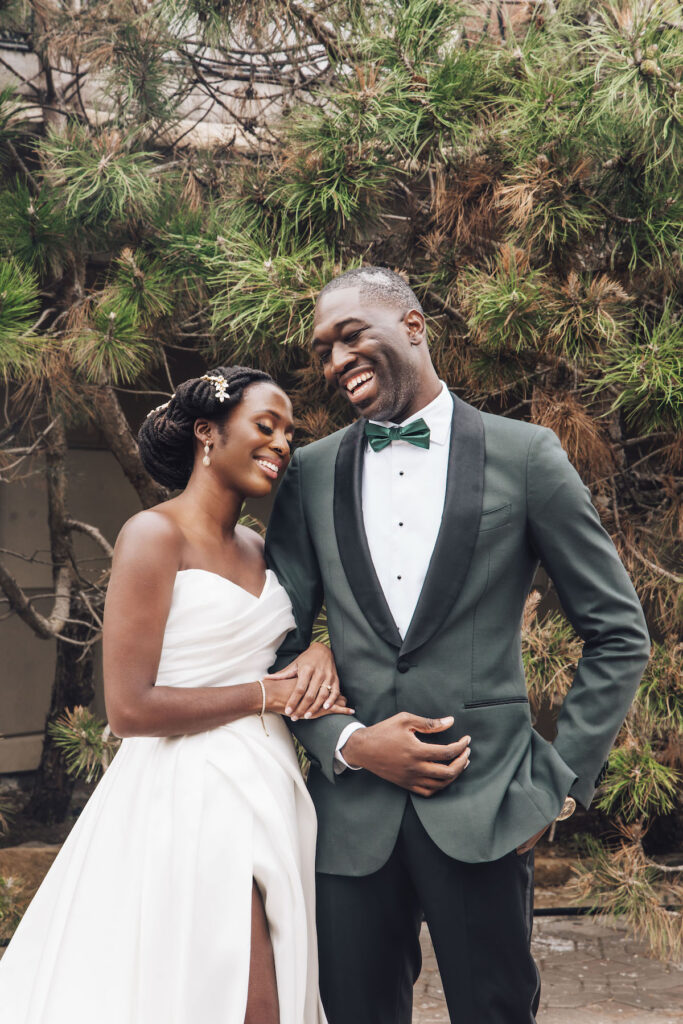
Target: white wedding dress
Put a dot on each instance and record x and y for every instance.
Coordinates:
(145, 915)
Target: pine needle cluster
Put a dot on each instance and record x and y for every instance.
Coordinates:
(550, 651)
(87, 742)
(626, 884)
(19, 305)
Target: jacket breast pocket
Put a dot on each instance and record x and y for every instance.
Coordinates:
(495, 701)
(493, 518)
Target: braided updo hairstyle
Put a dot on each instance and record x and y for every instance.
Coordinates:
(166, 437)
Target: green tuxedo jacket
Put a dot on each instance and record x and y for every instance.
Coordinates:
(512, 500)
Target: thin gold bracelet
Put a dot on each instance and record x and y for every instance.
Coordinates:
(263, 707)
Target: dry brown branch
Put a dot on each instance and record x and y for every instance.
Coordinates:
(119, 437)
(319, 30)
(93, 532)
(45, 628)
(653, 565)
(25, 452)
(448, 308)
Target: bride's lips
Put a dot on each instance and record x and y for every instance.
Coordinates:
(269, 466)
(358, 385)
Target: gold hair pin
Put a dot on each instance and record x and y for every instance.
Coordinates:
(221, 386)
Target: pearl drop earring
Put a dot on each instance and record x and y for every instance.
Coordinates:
(206, 460)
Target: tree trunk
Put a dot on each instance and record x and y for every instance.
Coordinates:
(73, 685)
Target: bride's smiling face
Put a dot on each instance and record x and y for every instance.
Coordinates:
(250, 449)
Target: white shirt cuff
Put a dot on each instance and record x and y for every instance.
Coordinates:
(340, 764)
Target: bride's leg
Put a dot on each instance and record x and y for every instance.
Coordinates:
(262, 1000)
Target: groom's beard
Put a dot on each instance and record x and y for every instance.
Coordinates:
(394, 394)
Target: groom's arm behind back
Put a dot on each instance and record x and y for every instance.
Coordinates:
(291, 555)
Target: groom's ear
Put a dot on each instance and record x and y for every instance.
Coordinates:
(414, 323)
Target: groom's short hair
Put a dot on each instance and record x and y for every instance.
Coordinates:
(378, 283)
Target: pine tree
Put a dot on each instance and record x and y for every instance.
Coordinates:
(521, 164)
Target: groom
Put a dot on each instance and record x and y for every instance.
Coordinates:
(421, 527)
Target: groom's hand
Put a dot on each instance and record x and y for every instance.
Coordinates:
(392, 750)
(530, 843)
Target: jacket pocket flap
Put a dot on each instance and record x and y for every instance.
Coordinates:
(495, 517)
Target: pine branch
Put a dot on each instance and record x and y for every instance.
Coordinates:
(26, 82)
(45, 628)
(448, 308)
(119, 437)
(55, 459)
(652, 565)
(22, 166)
(92, 532)
(24, 453)
(672, 869)
(337, 50)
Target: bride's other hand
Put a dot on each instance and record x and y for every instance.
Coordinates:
(316, 691)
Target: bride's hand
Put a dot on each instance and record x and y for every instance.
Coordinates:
(316, 691)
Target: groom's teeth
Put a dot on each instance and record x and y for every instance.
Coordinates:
(356, 381)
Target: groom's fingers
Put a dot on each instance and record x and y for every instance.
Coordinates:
(445, 773)
(335, 709)
(285, 673)
(445, 752)
(418, 724)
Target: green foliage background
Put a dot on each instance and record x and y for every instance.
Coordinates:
(520, 165)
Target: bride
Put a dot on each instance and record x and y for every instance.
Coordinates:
(184, 893)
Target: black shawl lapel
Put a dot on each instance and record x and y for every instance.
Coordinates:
(457, 536)
(352, 540)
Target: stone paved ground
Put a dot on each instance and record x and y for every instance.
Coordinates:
(591, 973)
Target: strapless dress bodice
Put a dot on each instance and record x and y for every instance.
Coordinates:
(219, 634)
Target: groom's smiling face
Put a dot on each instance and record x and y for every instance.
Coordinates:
(372, 351)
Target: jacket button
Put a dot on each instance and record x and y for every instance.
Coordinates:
(403, 664)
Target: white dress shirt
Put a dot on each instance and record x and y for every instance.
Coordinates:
(403, 494)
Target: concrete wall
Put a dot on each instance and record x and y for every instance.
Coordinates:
(201, 120)
(99, 494)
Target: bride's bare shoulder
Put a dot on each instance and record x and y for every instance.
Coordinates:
(152, 532)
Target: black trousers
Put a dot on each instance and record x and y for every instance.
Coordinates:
(479, 916)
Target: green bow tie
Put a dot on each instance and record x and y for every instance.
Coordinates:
(380, 437)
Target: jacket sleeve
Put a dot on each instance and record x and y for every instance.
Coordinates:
(601, 604)
(291, 555)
